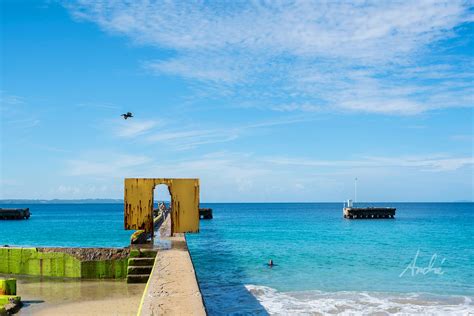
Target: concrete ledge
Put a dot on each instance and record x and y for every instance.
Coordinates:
(52, 262)
(172, 288)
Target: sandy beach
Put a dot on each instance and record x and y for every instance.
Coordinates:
(78, 297)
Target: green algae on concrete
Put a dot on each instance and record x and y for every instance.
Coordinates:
(6, 299)
(9, 301)
(116, 269)
(7, 286)
(30, 261)
(134, 253)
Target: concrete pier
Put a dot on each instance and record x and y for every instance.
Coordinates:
(205, 213)
(368, 212)
(172, 288)
(14, 213)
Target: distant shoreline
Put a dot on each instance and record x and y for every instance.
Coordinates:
(120, 201)
(58, 201)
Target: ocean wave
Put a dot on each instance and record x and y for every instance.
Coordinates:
(350, 303)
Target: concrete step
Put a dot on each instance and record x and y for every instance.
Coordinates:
(137, 278)
(141, 261)
(147, 253)
(132, 270)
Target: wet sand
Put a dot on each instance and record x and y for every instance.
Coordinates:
(50, 296)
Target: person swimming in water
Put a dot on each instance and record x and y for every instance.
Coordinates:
(270, 263)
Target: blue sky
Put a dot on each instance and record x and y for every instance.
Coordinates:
(263, 101)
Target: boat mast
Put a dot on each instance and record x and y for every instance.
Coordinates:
(355, 190)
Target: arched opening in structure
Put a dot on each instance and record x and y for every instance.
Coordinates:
(161, 196)
(162, 201)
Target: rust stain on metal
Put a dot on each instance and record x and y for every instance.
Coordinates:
(138, 203)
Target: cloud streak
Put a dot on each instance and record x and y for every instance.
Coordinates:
(134, 128)
(373, 30)
(113, 165)
(237, 176)
(15, 114)
(346, 56)
(432, 163)
(189, 137)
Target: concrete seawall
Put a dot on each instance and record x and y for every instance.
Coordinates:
(85, 263)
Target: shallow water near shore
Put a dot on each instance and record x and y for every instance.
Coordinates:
(328, 264)
(324, 263)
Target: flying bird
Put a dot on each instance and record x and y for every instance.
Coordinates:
(127, 115)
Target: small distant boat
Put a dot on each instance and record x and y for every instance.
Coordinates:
(15, 213)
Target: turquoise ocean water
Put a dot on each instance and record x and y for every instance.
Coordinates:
(324, 263)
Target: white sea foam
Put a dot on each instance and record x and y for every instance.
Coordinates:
(355, 303)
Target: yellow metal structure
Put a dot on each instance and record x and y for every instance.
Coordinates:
(184, 203)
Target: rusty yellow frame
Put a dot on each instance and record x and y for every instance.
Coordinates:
(138, 204)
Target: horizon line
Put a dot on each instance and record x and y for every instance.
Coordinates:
(112, 201)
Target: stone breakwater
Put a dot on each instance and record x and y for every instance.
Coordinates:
(85, 263)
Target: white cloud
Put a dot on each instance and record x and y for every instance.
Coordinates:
(99, 105)
(24, 123)
(401, 106)
(431, 163)
(292, 107)
(447, 164)
(188, 137)
(193, 138)
(210, 66)
(9, 99)
(52, 148)
(463, 137)
(134, 127)
(14, 112)
(376, 30)
(358, 56)
(106, 165)
(68, 190)
(238, 176)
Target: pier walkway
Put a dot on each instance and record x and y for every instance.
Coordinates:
(14, 213)
(172, 288)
